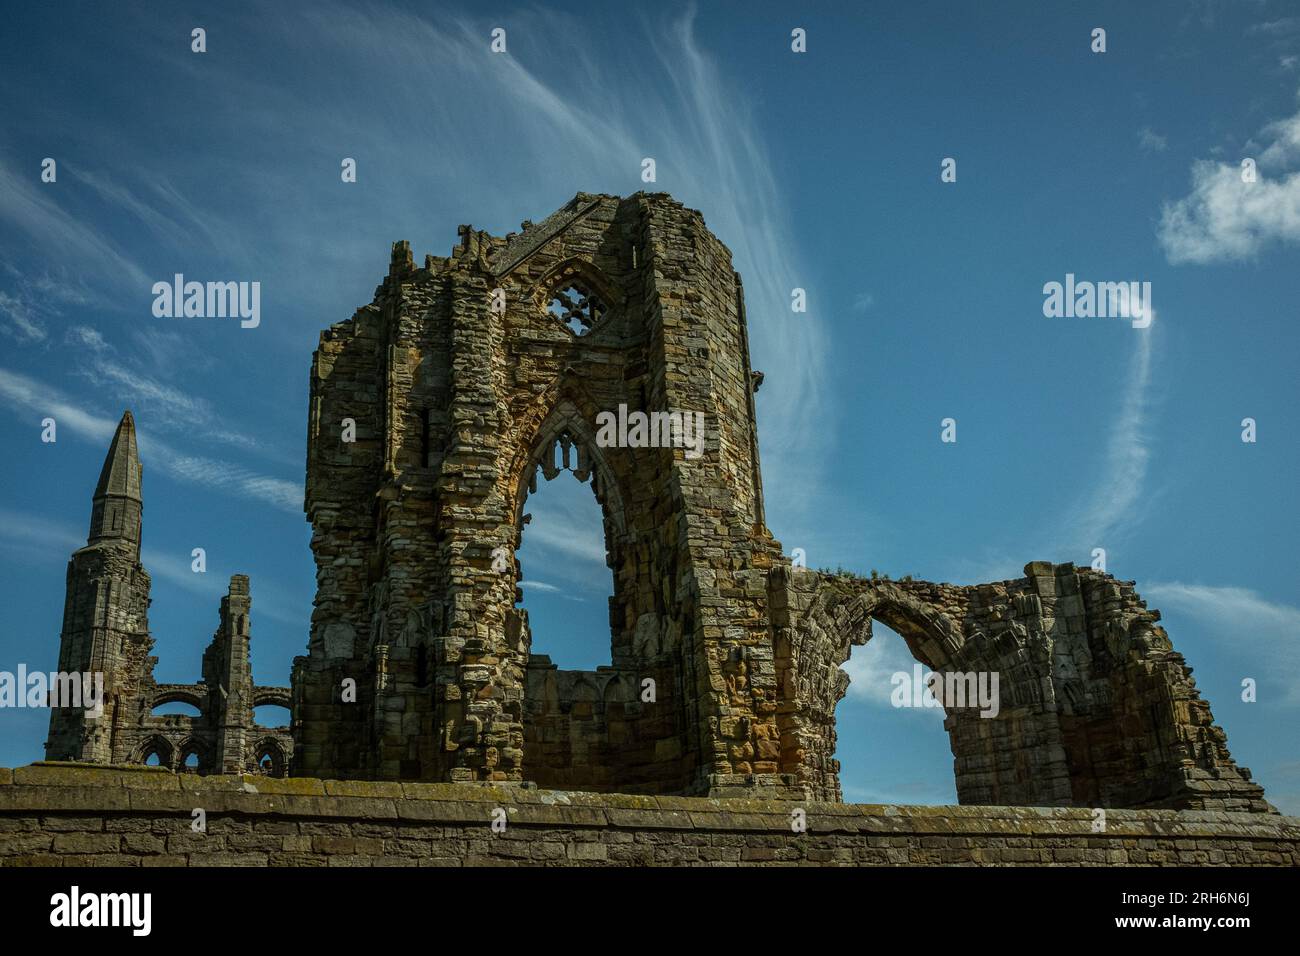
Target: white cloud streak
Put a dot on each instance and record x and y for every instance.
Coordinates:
(1112, 507)
(1256, 628)
(25, 393)
(33, 212)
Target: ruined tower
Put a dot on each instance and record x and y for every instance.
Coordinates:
(459, 382)
(106, 632)
(105, 612)
(229, 680)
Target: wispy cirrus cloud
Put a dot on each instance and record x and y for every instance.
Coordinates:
(29, 207)
(180, 411)
(45, 538)
(23, 322)
(158, 205)
(1113, 506)
(22, 392)
(1245, 620)
(32, 302)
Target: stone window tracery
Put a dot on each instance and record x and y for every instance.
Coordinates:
(575, 304)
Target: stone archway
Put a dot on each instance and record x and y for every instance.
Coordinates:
(268, 757)
(158, 746)
(810, 659)
(1010, 753)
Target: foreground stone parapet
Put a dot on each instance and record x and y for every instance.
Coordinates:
(80, 815)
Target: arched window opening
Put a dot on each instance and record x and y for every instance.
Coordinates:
(271, 715)
(156, 752)
(891, 744)
(576, 305)
(564, 574)
(177, 707)
(190, 762)
(268, 759)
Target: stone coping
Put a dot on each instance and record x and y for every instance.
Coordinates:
(78, 789)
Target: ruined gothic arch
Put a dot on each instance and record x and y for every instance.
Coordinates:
(272, 697)
(196, 747)
(268, 747)
(568, 416)
(151, 746)
(559, 426)
(838, 619)
(179, 695)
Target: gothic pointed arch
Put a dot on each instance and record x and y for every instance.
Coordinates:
(563, 420)
(156, 745)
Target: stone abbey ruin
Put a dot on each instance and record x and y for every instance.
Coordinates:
(433, 409)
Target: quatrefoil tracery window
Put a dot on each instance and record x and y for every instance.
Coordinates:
(576, 305)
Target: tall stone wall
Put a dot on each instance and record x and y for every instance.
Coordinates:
(79, 816)
(464, 389)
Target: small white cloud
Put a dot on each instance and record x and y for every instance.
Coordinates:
(1149, 141)
(1226, 219)
(1275, 28)
(863, 301)
(87, 337)
(539, 586)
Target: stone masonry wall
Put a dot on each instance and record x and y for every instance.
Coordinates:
(78, 815)
(1096, 707)
(457, 406)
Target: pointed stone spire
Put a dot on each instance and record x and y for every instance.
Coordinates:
(118, 505)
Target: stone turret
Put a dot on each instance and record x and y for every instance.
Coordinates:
(118, 507)
(105, 616)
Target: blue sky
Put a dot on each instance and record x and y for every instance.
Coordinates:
(819, 170)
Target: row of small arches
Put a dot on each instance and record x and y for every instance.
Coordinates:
(190, 756)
